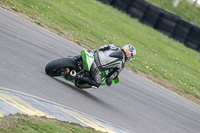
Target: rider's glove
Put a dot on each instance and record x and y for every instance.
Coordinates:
(111, 76)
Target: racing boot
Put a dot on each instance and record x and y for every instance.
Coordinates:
(87, 79)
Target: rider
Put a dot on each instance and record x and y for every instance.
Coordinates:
(109, 57)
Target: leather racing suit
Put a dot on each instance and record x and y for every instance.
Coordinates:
(109, 57)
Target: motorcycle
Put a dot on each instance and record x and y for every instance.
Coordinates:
(71, 68)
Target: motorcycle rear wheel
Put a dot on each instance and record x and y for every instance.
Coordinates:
(56, 67)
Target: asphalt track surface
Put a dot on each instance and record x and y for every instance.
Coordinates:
(135, 103)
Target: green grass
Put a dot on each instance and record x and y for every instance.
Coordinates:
(185, 10)
(21, 123)
(95, 24)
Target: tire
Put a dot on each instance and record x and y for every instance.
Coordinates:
(167, 22)
(151, 15)
(178, 38)
(198, 49)
(140, 5)
(169, 16)
(179, 33)
(194, 32)
(154, 9)
(191, 42)
(55, 67)
(121, 2)
(135, 13)
(106, 1)
(191, 45)
(181, 28)
(195, 41)
(184, 23)
(167, 30)
(141, 2)
(137, 8)
(121, 5)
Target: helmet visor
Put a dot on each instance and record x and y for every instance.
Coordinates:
(130, 56)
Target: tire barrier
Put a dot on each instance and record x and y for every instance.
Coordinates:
(193, 37)
(166, 23)
(106, 1)
(121, 5)
(163, 21)
(137, 8)
(181, 30)
(151, 15)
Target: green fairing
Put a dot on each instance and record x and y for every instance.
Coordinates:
(84, 60)
(85, 63)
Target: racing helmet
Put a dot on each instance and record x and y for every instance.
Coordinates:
(129, 51)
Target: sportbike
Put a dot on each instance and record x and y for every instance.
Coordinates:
(72, 67)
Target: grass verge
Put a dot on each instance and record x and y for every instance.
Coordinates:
(19, 123)
(91, 23)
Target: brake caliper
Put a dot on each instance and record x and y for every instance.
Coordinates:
(67, 71)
